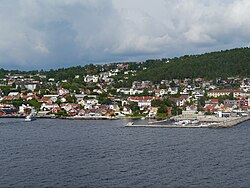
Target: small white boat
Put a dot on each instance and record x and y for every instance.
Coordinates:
(129, 124)
(30, 117)
(195, 122)
(182, 122)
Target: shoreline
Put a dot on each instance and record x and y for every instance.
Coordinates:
(76, 117)
(205, 122)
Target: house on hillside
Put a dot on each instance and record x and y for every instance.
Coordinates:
(48, 99)
(126, 110)
(69, 106)
(48, 106)
(172, 90)
(179, 101)
(61, 91)
(153, 111)
(160, 92)
(15, 95)
(89, 78)
(27, 85)
(143, 102)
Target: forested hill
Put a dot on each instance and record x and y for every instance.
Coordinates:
(235, 62)
(228, 63)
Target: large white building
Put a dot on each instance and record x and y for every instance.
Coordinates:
(27, 85)
(218, 93)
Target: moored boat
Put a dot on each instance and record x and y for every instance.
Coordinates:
(30, 117)
(182, 122)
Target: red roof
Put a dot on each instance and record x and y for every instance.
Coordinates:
(210, 107)
(214, 100)
(8, 98)
(174, 99)
(45, 99)
(70, 104)
(30, 96)
(144, 98)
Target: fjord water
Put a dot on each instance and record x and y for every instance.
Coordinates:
(66, 153)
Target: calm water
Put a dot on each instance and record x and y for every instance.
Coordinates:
(63, 153)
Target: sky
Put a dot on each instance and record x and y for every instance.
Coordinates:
(49, 34)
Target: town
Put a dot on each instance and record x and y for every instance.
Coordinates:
(103, 95)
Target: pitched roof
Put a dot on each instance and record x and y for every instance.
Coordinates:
(144, 98)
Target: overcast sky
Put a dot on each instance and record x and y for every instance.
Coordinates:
(46, 34)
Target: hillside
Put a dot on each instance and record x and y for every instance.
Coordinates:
(235, 62)
(228, 63)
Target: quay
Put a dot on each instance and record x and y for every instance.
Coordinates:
(166, 126)
(226, 123)
(230, 123)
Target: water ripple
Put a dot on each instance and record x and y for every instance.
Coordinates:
(62, 153)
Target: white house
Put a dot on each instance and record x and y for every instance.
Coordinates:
(91, 101)
(51, 79)
(173, 91)
(126, 110)
(160, 92)
(79, 97)
(136, 91)
(143, 101)
(13, 94)
(245, 87)
(48, 106)
(217, 93)
(23, 107)
(62, 91)
(89, 78)
(125, 91)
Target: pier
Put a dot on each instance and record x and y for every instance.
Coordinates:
(230, 123)
(166, 126)
(226, 123)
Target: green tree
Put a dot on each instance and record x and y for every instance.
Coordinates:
(231, 96)
(33, 102)
(71, 98)
(61, 113)
(133, 106)
(176, 111)
(6, 89)
(162, 109)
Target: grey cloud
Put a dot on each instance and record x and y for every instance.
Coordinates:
(56, 33)
(49, 34)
